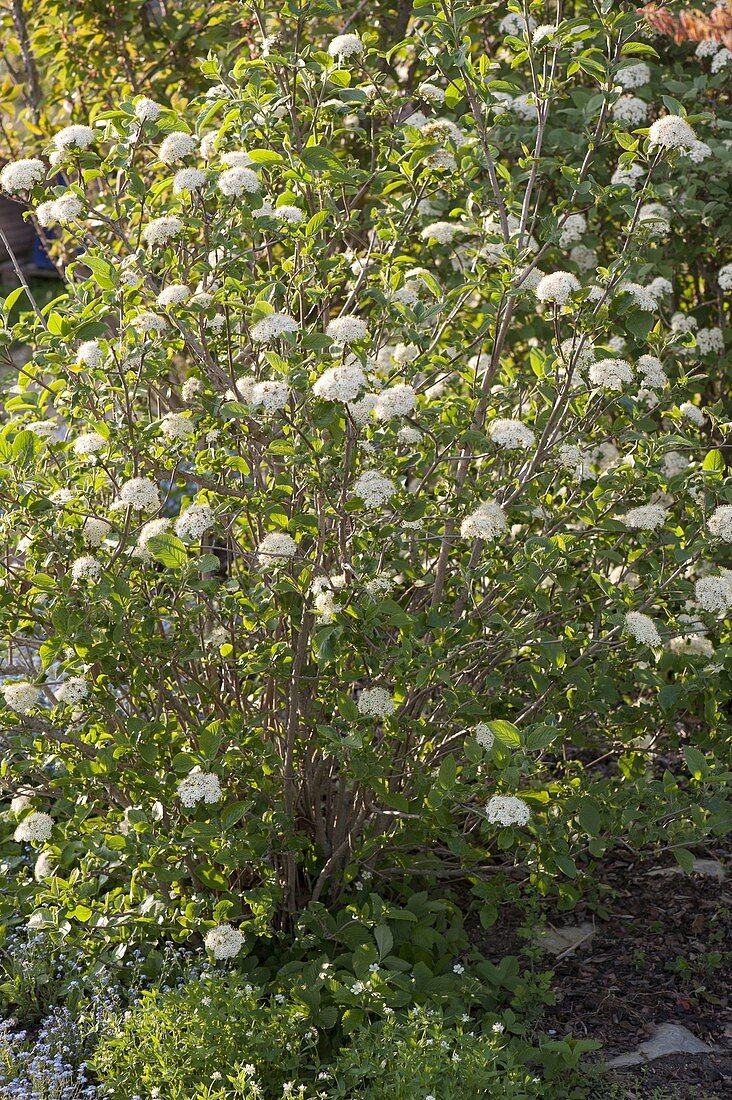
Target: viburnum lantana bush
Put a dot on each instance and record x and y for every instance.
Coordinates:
(365, 487)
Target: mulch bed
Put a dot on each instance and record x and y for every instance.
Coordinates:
(661, 953)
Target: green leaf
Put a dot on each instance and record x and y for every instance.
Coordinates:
(506, 733)
(316, 222)
(696, 762)
(168, 550)
(232, 814)
(448, 773)
(685, 859)
(589, 817)
(26, 446)
(384, 939)
(713, 460)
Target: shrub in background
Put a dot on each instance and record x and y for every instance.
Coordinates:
(366, 484)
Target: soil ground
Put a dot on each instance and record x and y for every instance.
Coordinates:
(661, 953)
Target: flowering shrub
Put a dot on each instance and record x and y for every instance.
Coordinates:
(366, 485)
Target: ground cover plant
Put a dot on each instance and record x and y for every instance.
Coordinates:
(367, 523)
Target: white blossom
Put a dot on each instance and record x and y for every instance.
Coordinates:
(630, 110)
(376, 702)
(276, 547)
(193, 523)
(21, 696)
(22, 175)
(557, 287)
(633, 76)
(36, 826)
(512, 435)
(224, 942)
(483, 736)
(693, 413)
(199, 786)
(94, 531)
(161, 230)
(642, 628)
(724, 277)
(344, 46)
(397, 400)
(714, 594)
(340, 383)
(73, 137)
(611, 374)
(237, 181)
(88, 443)
(147, 110)
(507, 809)
(347, 329)
(90, 354)
(671, 132)
(272, 327)
(86, 568)
(140, 494)
(487, 522)
(174, 295)
(710, 341)
(647, 517)
(73, 691)
(188, 179)
(373, 488)
(720, 522)
(177, 146)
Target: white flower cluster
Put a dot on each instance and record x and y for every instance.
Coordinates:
(483, 736)
(710, 341)
(73, 691)
(347, 329)
(611, 374)
(36, 826)
(652, 372)
(376, 702)
(272, 327)
(270, 396)
(199, 786)
(558, 287)
(90, 354)
(188, 179)
(88, 443)
(21, 696)
(94, 531)
(487, 522)
(442, 232)
(394, 401)
(161, 230)
(671, 132)
(647, 517)
(193, 523)
(149, 531)
(714, 594)
(224, 942)
(373, 488)
(724, 277)
(276, 547)
(140, 494)
(22, 175)
(176, 426)
(507, 809)
(642, 628)
(633, 76)
(176, 146)
(573, 230)
(238, 180)
(720, 522)
(693, 413)
(630, 110)
(73, 137)
(147, 110)
(512, 435)
(342, 383)
(174, 295)
(344, 46)
(86, 568)
(64, 210)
